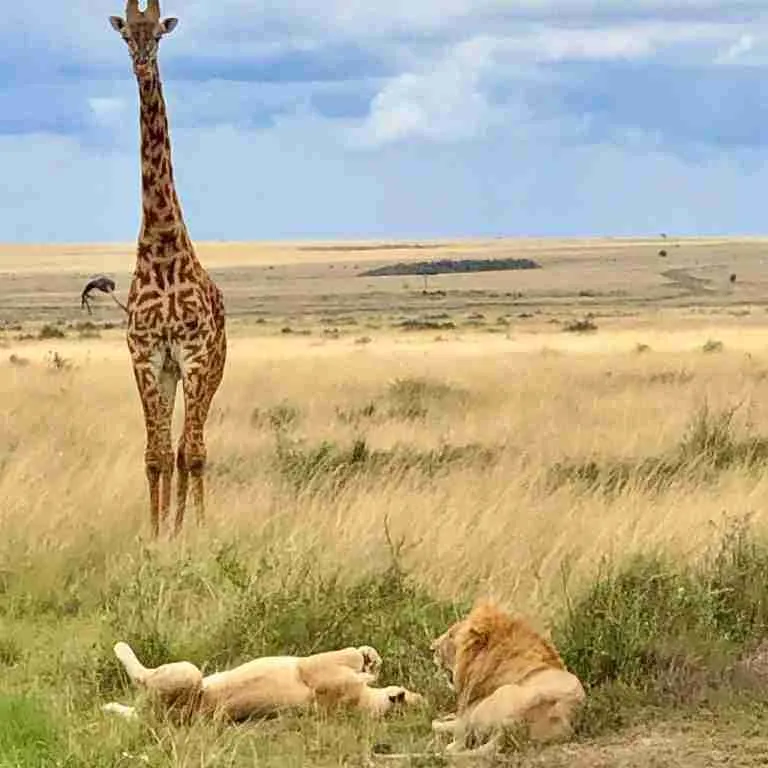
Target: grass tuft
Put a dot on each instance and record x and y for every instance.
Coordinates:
(710, 445)
(329, 467)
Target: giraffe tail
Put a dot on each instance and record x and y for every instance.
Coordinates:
(105, 285)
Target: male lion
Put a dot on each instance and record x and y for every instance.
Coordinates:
(507, 677)
(265, 686)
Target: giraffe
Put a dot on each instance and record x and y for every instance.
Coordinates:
(176, 320)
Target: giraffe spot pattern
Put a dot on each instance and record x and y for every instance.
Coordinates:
(176, 315)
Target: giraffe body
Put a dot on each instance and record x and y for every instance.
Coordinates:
(176, 320)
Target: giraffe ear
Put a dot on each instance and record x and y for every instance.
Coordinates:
(117, 23)
(168, 25)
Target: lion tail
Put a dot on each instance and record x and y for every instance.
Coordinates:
(135, 669)
(121, 710)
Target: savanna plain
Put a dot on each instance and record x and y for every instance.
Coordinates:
(585, 441)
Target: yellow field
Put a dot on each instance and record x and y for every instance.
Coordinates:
(77, 439)
(506, 377)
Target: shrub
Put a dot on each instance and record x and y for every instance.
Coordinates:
(668, 632)
(585, 325)
(51, 332)
(712, 345)
(411, 397)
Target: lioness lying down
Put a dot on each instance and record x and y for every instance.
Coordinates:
(265, 686)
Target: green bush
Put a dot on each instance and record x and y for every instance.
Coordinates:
(668, 632)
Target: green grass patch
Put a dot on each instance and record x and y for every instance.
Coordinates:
(653, 634)
(28, 734)
(651, 638)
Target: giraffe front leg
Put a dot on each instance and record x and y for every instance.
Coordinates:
(158, 460)
(190, 463)
(157, 393)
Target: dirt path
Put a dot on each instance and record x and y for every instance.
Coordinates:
(683, 279)
(688, 744)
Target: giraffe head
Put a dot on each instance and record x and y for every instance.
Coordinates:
(142, 31)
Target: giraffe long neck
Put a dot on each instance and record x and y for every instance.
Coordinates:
(161, 209)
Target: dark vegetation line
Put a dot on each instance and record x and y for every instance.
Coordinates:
(450, 266)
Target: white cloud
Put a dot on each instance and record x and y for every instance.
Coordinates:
(262, 27)
(108, 111)
(748, 50)
(449, 98)
(65, 191)
(628, 41)
(372, 18)
(442, 102)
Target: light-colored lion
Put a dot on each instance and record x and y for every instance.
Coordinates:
(265, 686)
(507, 678)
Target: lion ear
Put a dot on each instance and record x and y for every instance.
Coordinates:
(478, 636)
(397, 698)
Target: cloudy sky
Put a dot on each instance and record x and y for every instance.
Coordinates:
(395, 118)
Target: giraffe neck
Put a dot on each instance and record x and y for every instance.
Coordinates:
(162, 218)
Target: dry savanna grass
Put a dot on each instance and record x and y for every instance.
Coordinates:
(365, 485)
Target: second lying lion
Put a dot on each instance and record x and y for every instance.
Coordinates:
(506, 677)
(266, 686)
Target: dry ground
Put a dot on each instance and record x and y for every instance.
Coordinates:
(317, 355)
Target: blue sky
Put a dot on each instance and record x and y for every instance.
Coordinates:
(404, 118)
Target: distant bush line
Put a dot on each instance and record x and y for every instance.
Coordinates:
(450, 266)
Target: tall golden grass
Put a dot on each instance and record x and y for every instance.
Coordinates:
(72, 478)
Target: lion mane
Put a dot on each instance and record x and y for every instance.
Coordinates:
(492, 648)
(506, 677)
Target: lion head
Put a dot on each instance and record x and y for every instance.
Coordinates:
(444, 652)
(489, 648)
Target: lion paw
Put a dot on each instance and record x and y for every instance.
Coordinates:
(371, 659)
